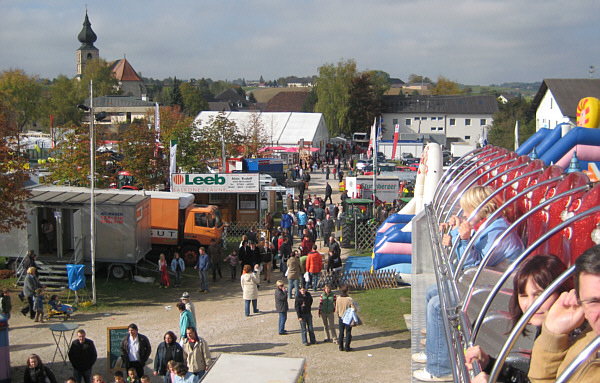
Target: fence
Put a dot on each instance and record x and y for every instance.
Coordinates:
(365, 236)
(363, 280)
(235, 230)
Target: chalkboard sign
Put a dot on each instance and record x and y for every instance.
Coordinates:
(115, 336)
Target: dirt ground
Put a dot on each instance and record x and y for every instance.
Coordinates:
(377, 356)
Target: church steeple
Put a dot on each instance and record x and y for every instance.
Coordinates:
(87, 37)
(87, 51)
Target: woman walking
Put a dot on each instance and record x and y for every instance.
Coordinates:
(250, 284)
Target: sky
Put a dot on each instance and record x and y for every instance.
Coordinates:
(475, 42)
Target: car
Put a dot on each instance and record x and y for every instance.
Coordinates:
(360, 164)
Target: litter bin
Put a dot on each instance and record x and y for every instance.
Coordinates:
(4, 352)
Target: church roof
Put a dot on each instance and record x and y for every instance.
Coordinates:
(124, 71)
(87, 37)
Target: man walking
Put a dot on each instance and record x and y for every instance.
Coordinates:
(202, 266)
(328, 193)
(215, 252)
(186, 319)
(135, 350)
(196, 353)
(303, 306)
(328, 226)
(82, 355)
(314, 265)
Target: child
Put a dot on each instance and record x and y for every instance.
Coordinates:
(57, 305)
(71, 380)
(145, 379)
(177, 266)
(132, 376)
(119, 377)
(38, 305)
(97, 378)
(233, 262)
(5, 304)
(172, 365)
(164, 271)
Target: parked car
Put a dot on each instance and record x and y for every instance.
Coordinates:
(360, 164)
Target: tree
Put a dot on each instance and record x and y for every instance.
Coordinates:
(103, 79)
(60, 101)
(364, 103)
(254, 134)
(502, 132)
(21, 95)
(415, 79)
(176, 98)
(192, 99)
(333, 84)
(252, 98)
(209, 138)
(309, 104)
(13, 174)
(444, 86)
(70, 159)
(142, 158)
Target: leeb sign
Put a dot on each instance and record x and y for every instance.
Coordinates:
(215, 183)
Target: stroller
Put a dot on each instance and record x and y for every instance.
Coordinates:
(56, 308)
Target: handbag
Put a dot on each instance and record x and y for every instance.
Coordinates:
(307, 277)
(356, 323)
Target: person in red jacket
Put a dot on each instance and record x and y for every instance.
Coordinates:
(314, 265)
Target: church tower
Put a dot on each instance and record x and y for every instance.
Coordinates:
(87, 51)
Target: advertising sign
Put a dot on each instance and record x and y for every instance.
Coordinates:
(215, 183)
(387, 187)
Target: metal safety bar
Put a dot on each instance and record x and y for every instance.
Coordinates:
(578, 362)
(461, 177)
(520, 326)
(448, 295)
(530, 249)
(450, 172)
(509, 202)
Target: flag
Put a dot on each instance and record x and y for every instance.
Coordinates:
(372, 139)
(396, 131)
(483, 138)
(517, 135)
(173, 157)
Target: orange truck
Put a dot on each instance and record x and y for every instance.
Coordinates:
(178, 223)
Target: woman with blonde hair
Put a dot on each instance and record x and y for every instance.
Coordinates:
(250, 284)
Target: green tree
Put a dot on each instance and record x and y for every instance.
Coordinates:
(252, 98)
(209, 138)
(443, 86)
(364, 103)
(415, 79)
(60, 100)
(104, 82)
(176, 98)
(333, 84)
(13, 174)
(21, 94)
(502, 132)
(309, 104)
(192, 99)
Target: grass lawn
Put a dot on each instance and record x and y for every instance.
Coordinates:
(383, 308)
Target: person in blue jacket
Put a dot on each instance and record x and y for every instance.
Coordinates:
(177, 266)
(436, 357)
(202, 266)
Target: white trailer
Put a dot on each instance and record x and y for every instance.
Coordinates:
(387, 187)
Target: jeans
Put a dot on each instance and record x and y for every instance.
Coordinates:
(199, 374)
(233, 271)
(216, 267)
(178, 278)
(348, 330)
(328, 325)
(282, 320)
(306, 324)
(314, 280)
(282, 265)
(293, 283)
(438, 357)
(247, 306)
(85, 375)
(203, 274)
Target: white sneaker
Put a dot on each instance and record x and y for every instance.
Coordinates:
(423, 331)
(424, 376)
(419, 357)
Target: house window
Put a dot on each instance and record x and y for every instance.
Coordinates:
(440, 118)
(482, 122)
(433, 129)
(467, 122)
(433, 118)
(408, 122)
(452, 121)
(467, 137)
(417, 118)
(440, 128)
(395, 121)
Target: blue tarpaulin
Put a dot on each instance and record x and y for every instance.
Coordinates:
(76, 277)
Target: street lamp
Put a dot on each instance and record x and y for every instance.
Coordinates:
(92, 191)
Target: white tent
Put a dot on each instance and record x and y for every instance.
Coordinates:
(283, 128)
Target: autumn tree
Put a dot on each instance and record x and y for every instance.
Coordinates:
(13, 174)
(142, 158)
(210, 136)
(254, 135)
(502, 132)
(70, 159)
(21, 95)
(60, 100)
(444, 86)
(333, 85)
(104, 82)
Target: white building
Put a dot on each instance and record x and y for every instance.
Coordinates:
(441, 119)
(282, 128)
(556, 100)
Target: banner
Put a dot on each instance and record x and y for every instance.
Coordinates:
(173, 157)
(396, 131)
(215, 183)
